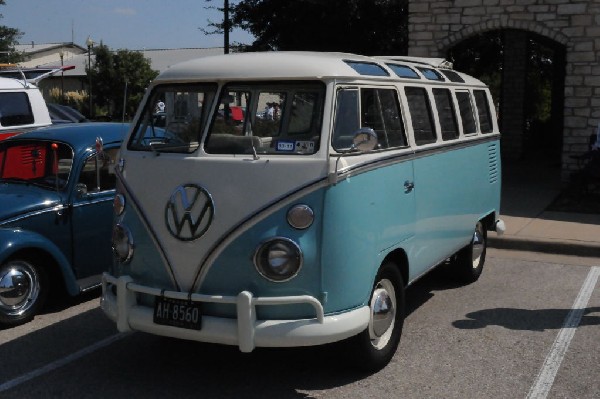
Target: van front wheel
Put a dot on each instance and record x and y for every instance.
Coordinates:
(376, 345)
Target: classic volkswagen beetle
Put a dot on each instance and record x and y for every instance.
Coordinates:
(56, 194)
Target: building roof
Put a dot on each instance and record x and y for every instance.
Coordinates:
(160, 59)
(33, 48)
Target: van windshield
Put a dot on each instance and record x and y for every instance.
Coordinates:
(267, 118)
(173, 118)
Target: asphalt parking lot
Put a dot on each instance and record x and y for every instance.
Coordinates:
(528, 328)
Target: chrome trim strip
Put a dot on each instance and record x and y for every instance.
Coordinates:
(57, 208)
(17, 218)
(95, 201)
(409, 156)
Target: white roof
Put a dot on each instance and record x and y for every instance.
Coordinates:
(286, 65)
(274, 64)
(12, 84)
(434, 62)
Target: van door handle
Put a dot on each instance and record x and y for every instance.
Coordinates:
(408, 186)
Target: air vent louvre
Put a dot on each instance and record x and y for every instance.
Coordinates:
(494, 167)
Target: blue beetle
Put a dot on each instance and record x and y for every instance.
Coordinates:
(57, 187)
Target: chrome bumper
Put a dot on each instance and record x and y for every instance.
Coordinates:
(245, 331)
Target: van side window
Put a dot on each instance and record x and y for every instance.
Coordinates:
(446, 113)
(367, 68)
(380, 111)
(466, 112)
(15, 109)
(483, 111)
(431, 74)
(452, 76)
(420, 112)
(403, 71)
(346, 119)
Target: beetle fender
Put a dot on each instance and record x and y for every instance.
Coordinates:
(15, 240)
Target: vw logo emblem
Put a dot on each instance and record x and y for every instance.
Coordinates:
(189, 212)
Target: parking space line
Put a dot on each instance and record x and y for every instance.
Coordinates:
(60, 362)
(545, 379)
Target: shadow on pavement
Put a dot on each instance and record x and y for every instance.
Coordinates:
(525, 319)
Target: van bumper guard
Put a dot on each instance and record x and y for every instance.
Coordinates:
(245, 331)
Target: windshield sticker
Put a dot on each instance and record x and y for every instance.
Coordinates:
(305, 147)
(287, 146)
(298, 146)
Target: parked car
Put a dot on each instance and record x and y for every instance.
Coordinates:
(57, 186)
(22, 107)
(64, 114)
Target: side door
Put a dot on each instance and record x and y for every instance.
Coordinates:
(372, 211)
(92, 212)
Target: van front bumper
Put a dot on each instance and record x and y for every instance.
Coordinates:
(245, 331)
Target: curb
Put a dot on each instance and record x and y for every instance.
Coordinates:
(574, 248)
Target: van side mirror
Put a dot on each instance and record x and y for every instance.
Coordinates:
(365, 139)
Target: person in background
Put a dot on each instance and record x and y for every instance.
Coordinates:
(160, 106)
(596, 145)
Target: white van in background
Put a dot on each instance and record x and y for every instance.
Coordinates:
(22, 106)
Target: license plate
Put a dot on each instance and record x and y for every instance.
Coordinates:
(178, 313)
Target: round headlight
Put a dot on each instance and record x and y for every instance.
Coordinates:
(119, 204)
(278, 259)
(122, 243)
(300, 216)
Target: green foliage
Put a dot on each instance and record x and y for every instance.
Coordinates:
(119, 79)
(8, 38)
(370, 27)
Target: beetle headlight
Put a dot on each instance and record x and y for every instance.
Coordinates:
(122, 243)
(278, 259)
(300, 216)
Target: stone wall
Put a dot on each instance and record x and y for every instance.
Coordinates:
(435, 26)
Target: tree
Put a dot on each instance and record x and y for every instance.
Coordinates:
(119, 79)
(8, 38)
(370, 27)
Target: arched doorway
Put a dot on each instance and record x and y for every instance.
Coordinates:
(526, 73)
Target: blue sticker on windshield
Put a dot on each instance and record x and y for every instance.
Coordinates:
(287, 146)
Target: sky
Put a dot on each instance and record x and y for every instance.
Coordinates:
(119, 24)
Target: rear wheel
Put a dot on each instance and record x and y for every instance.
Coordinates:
(376, 345)
(23, 290)
(469, 260)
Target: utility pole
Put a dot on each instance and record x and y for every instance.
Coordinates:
(226, 26)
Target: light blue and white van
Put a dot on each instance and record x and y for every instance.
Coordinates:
(288, 199)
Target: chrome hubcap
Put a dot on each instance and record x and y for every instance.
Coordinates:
(478, 245)
(19, 288)
(383, 313)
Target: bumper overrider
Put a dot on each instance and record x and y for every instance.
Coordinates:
(245, 331)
